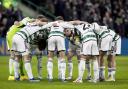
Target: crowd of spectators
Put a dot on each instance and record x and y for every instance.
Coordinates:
(7, 18)
(113, 13)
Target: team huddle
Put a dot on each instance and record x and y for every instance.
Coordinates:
(89, 41)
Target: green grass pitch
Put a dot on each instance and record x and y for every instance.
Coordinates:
(121, 77)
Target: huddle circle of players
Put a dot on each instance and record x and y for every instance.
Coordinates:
(90, 42)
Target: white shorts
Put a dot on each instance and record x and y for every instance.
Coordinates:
(105, 43)
(56, 42)
(19, 45)
(116, 47)
(113, 48)
(89, 48)
(74, 48)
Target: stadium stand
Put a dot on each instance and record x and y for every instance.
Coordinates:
(113, 13)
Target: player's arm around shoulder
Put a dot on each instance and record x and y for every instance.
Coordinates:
(67, 25)
(47, 25)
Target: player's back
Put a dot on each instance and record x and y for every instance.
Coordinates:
(102, 31)
(27, 31)
(86, 32)
(56, 29)
(112, 33)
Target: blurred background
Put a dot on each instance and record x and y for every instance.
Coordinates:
(113, 13)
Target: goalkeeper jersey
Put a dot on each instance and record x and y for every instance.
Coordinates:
(12, 31)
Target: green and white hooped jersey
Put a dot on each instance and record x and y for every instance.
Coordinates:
(57, 28)
(114, 35)
(31, 33)
(102, 31)
(86, 31)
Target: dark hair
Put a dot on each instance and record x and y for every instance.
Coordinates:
(59, 18)
(40, 16)
(44, 20)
